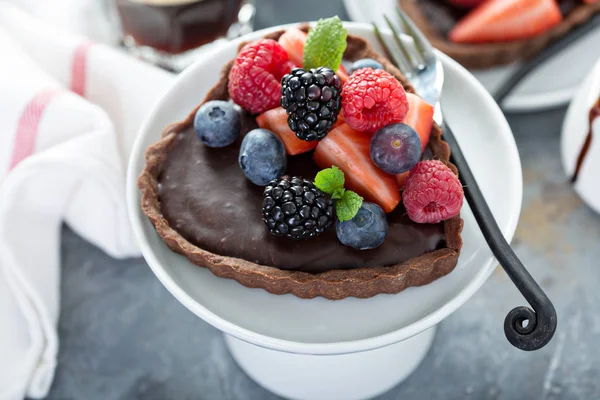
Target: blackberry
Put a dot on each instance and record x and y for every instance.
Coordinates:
(312, 100)
(294, 208)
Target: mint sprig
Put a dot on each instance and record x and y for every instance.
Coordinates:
(331, 181)
(325, 44)
(347, 203)
(347, 207)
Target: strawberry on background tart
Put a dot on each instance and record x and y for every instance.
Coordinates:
(488, 33)
(302, 174)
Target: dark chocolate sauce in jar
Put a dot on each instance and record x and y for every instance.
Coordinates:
(176, 26)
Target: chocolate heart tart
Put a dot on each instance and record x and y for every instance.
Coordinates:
(437, 17)
(204, 208)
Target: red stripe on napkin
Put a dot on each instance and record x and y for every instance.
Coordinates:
(28, 126)
(79, 67)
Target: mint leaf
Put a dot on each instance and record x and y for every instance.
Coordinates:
(347, 207)
(325, 44)
(329, 180)
(338, 193)
(347, 203)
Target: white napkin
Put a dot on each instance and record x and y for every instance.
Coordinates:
(69, 112)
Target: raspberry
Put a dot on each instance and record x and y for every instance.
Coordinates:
(432, 193)
(372, 99)
(255, 78)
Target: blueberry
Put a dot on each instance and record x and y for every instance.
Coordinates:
(367, 230)
(262, 158)
(366, 63)
(396, 148)
(217, 123)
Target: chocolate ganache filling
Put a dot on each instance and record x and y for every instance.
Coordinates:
(205, 196)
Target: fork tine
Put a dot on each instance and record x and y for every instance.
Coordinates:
(406, 56)
(391, 55)
(422, 45)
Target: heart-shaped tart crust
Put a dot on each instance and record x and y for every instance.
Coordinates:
(204, 208)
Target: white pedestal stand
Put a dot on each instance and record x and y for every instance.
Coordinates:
(355, 376)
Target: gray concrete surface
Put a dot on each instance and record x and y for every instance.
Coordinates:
(123, 336)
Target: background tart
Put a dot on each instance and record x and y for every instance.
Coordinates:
(202, 206)
(436, 17)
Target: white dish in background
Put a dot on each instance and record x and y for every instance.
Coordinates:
(550, 85)
(574, 132)
(349, 330)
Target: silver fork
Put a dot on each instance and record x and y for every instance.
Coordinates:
(525, 328)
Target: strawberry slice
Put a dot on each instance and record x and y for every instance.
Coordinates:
(349, 150)
(342, 73)
(275, 120)
(293, 41)
(419, 117)
(506, 20)
(401, 179)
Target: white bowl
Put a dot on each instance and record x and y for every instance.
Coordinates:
(321, 326)
(575, 129)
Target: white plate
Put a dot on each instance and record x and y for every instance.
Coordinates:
(551, 85)
(321, 326)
